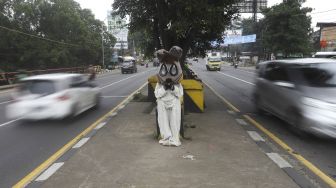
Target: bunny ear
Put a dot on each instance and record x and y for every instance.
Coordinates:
(161, 54)
(176, 52)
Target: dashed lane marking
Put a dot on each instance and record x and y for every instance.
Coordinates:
(323, 176)
(81, 143)
(241, 122)
(9, 122)
(50, 171)
(255, 136)
(113, 96)
(328, 180)
(100, 125)
(281, 162)
(236, 78)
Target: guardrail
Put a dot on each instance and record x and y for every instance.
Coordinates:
(8, 79)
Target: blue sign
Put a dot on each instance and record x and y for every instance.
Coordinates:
(239, 39)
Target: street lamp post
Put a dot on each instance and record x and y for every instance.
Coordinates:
(102, 43)
(103, 50)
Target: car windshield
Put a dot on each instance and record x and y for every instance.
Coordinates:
(127, 62)
(319, 74)
(40, 87)
(214, 59)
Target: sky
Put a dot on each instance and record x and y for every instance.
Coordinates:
(100, 8)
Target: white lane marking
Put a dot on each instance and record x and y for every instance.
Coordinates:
(50, 171)
(114, 114)
(243, 70)
(255, 136)
(241, 122)
(100, 125)
(231, 112)
(281, 162)
(125, 79)
(236, 78)
(113, 96)
(9, 122)
(6, 102)
(121, 107)
(81, 143)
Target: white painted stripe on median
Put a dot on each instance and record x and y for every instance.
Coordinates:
(81, 143)
(121, 107)
(9, 122)
(241, 122)
(100, 125)
(50, 171)
(281, 162)
(114, 114)
(255, 136)
(236, 78)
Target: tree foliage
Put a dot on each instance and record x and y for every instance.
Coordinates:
(287, 28)
(188, 23)
(61, 35)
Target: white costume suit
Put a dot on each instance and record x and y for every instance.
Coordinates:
(169, 113)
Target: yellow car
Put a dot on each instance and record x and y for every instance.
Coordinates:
(214, 63)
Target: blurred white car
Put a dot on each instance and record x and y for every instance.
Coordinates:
(53, 96)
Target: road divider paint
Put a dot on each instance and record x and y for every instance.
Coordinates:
(9, 122)
(81, 143)
(236, 78)
(100, 125)
(324, 177)
(222, 98)
(113, 96)
(328, 180)
(277, 159)
(50, 171)
(47, 163)
(255, 136)
(125, 79)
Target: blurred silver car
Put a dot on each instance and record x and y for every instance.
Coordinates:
(302, 92)
(53, 96)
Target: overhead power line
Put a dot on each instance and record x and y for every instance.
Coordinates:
(323, 11)
(38, 37)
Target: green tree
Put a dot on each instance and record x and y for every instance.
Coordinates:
(37, 34)
(287, 28)
(189, 24)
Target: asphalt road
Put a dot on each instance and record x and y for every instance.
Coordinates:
(23, 146)
(237, 86)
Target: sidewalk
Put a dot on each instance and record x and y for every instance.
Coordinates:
(124, 153)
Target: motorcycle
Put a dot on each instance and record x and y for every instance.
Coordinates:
(235, 65)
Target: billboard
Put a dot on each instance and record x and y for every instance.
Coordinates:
(251, 6)
(121, 36)
(239, 39)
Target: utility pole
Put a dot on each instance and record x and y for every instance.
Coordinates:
(255, 9)
(103, 49)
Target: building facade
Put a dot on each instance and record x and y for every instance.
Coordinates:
(327, 35)
(118, 28)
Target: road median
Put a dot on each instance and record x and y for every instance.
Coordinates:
(218, 152)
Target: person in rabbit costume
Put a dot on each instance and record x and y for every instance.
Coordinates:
(168, 92)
